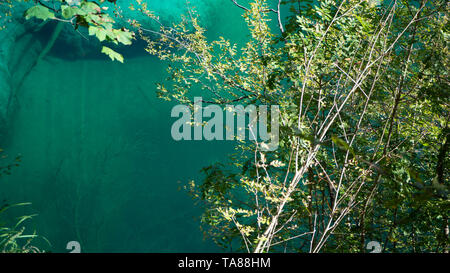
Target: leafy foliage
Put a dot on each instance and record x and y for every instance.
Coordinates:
(14, 239)
(5, 13)
(348, 76)
(85, 14)
(112, 54)
(40, 12)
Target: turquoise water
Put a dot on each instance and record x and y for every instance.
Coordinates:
(99, 164)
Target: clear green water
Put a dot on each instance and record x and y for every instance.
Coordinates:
(99, 164)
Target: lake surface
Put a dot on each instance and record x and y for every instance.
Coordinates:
(98, 162)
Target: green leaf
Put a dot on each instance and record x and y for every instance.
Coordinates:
(112, 54)
(39, 12)
(99, 32)
(342, 144)
(69, 12)
(90, 7)
(123, 37)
